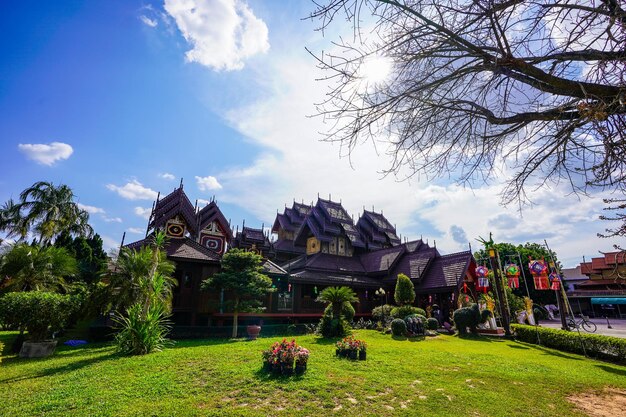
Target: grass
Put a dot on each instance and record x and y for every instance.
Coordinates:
(438, 376)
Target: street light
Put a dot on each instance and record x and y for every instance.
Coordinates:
(380, 293)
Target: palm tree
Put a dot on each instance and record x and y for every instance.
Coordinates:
(34, 268)
(12, 221)
(337, 297)
(51, 210)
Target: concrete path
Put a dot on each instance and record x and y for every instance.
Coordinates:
(618, 326)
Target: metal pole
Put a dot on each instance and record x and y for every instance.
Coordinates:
(498, 286)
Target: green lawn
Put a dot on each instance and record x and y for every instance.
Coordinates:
(438, 376)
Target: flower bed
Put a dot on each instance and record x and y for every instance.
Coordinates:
(351, 348)
(282, 356)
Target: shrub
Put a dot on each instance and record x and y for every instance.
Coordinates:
(432, 323)
(404, 311)
(398, 327)
(405, 291)
(414, 325)
(382, 313)
(540, 313)
(364, 324)
(470, 317)
(39, 313)
(330, 327)
(142, 332)
(597, 346)
(347, 311)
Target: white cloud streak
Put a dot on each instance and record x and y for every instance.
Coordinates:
(46, 154)
(133, 190)
(167, 176)
(90, 209)
(208, 183)
(223, 33)
(143, 212)
(148, 22)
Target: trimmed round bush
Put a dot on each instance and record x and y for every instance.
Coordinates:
(381, 313)
(404, 311)
(398, 327)
(432, 324)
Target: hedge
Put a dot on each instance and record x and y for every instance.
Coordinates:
(596, 346)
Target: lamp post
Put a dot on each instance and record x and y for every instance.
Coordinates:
(380, 293)
(495, 267)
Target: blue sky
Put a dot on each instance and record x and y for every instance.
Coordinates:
(120, 99)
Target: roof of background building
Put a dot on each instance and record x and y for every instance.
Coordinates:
(185, 248)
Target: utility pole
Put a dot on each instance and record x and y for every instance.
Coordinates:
(495, 267)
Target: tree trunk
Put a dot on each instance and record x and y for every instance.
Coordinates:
(336, 310)
(235, 317)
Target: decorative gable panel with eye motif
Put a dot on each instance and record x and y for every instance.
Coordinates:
(213, 237)
(175, 228)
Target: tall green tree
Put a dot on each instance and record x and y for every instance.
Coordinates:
(405, 291)
(509, 252)
(35, 268)
(89, 254)
(44, 210)
(242, 276)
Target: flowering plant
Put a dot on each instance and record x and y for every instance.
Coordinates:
(302, 356)
(283, 354)
(350, 343)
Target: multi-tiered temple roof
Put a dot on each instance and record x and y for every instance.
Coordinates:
(374, 255)
(326, 221)
(376, 230)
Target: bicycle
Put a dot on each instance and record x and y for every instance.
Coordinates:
(584, 322)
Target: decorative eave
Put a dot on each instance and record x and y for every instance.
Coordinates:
(175, 203)
(211, 212)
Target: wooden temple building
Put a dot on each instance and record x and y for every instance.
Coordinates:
(313, 246)
(598, 288)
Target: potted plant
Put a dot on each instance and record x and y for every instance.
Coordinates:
(351, 348)
(362, 350)
(253, 331)
(280, 358)
(302, 357)
(40, 314)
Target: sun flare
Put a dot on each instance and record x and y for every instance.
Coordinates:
(375, 69)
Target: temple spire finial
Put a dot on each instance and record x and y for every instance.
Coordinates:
(181, 182)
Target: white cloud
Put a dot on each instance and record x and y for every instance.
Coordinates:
(202, 202)
(109, 244)
(147, 21)
(112, 219)
(133, 190)
(223, 33)
(90, 209)
(143, 212)
(167, 176)
(136, 230)
(208, 183)
(46, 154)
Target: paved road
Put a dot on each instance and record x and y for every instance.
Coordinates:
(618, 326)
